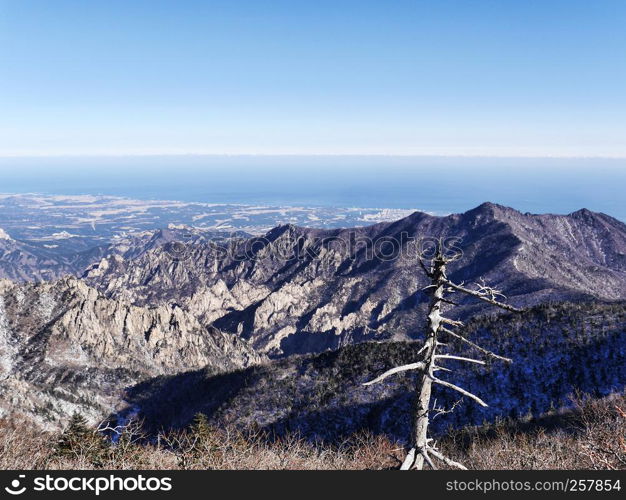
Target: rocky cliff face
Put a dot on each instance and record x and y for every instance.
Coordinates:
(299, 290)
(65, 347)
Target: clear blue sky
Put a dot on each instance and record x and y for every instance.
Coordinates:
(505, 77)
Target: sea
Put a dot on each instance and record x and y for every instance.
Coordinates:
(440, 185)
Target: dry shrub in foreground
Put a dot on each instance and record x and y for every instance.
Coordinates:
(591, 437)
(211, 448)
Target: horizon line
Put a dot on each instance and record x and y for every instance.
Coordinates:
(310, 155)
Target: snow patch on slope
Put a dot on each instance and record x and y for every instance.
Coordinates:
(4, 235)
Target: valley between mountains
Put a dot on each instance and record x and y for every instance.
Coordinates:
(281, 330)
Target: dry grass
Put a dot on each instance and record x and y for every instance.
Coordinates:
(592, 437)
(218, 449)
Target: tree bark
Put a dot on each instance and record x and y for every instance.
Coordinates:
(416, 459)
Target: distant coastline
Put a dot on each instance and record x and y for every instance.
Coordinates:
(438, 185)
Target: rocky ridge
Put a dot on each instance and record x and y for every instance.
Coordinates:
(64, 347)
(298, 290)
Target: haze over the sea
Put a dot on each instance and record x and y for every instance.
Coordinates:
(435, 184)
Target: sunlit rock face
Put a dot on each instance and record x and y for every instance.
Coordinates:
(64, 347)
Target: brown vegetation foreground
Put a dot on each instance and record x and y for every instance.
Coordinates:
(592, 437)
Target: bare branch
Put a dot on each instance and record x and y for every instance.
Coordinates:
(104, 426)
(413, 366)
(459, 358)
(485, 289)
(484, 296)
(460, 390)
(428, 460)
(452, 322)
(423, 348)
(451, 302)
(476, 346)
(446, 460)
(443, 411)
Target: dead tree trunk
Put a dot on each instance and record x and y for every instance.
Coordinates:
(416, 456)
(421, 450)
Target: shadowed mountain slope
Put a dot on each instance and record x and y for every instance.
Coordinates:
(557, 350)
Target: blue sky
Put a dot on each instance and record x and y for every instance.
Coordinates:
(485, 78)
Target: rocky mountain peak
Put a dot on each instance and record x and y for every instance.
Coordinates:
(587, 216)
(491, 211)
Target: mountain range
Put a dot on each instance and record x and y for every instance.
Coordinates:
(299, 290)
(79, 330)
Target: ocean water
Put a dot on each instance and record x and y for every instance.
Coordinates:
(439, 185)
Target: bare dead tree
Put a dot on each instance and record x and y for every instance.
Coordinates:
(422, 448)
